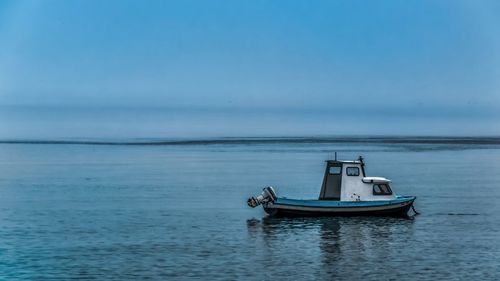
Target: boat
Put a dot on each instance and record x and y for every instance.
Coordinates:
(346, 191)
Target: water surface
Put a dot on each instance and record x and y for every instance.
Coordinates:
(176, 212)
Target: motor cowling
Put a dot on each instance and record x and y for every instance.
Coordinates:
(268, 195)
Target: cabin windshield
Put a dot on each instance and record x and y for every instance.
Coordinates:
(382, 189)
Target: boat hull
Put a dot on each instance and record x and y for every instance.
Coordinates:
(283, 207)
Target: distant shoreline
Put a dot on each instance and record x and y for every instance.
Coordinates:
(273, 140)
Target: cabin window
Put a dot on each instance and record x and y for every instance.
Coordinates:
(381, 189)
(352, 171)
(336, 170)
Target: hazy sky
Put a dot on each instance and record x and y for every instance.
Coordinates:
(408, 58)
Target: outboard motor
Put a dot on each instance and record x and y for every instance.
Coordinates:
(267, 195)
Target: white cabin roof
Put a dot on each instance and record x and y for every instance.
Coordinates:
(375, 180)
(344, 161)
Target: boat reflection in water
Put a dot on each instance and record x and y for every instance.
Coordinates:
(347, 247)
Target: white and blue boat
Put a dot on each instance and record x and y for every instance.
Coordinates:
(346, 191)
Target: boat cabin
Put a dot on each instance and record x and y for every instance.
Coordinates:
(347, 181)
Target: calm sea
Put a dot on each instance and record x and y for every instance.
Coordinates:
(178, 211)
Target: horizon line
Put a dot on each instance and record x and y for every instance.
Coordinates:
(372, 139)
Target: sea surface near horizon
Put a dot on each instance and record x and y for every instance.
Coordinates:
(178, 211)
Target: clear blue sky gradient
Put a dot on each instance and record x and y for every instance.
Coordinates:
(414, 58)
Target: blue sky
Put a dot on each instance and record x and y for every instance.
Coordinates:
(410, 59)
